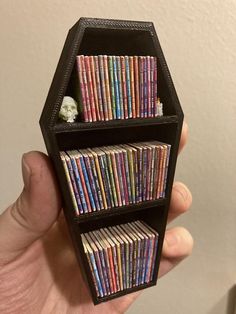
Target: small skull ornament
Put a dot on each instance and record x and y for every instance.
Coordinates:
(69, 109)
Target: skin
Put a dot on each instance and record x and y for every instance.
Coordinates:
(38, 269)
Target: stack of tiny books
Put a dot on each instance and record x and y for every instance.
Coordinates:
(111, 176)
(118, 87)
(121, 256)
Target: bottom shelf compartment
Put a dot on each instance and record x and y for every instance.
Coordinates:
(121, 255)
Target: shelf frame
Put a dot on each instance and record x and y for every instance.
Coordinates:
(85, 38)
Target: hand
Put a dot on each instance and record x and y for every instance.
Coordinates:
(38, 269)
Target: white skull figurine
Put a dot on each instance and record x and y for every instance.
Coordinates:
(69, 109)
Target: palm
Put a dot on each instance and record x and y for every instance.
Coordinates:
(46, 278)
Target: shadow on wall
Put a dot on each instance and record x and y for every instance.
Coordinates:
(227, 304)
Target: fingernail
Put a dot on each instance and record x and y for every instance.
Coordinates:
(171, 239)
(26, 172)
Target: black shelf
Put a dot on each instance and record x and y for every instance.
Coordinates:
(111, 37)
(121, 210)
(112, 124)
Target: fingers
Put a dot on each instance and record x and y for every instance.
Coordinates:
(184, 136)
(181, 200)
(35, 210)
(178, 244)
(181, 197)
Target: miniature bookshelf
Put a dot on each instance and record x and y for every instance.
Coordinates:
(111, 37)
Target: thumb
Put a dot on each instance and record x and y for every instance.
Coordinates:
(35, 210)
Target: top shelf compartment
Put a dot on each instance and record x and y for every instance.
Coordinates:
(110, 37)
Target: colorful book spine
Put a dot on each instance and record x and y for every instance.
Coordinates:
(109, 186)
(98, 262)
(127, 153)
(119, 79)
(148, 178)
(116, 85)
(131, 65)
(116, 178)
(112, 87)
(119, 171)
(127, 175)
(151, 171)
(69, 181)
(140, 170)
(155, 87)
(115, 260)
(86, 91)
(82, 87)
(144, 253)
(132, 174)
(152, 90)
(124, 179)
(105, 246)
(99, 88)
(141, 88)
(104, 179)
(148, 87)
(85, 183)
(79, 182)
(92, 265)
(127, 255)
(111, 176)
(132, 85)
(90, 88)
(94, 87)
(166, 170)
(136, 83)
(163, 170)
(145, 90)
(111, 261)
(91, 180)
(103, 87)
(139, 238)
(128, 86)
(124, 89)
(96, 180)
(101, 184)
(102, 261)
(107, 87)
(162, 152)
(118, 245)
(136, 174)
(156, 171)
(144, 172)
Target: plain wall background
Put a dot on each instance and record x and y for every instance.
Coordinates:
(199, 42)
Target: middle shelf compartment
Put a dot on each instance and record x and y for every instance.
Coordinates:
(119, 178)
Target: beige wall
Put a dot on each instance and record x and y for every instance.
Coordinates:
(199, 42)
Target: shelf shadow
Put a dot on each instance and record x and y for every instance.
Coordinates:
(227, 304)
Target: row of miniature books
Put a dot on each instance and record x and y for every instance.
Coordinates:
(121, 256)
(112, 176)
(118, 87)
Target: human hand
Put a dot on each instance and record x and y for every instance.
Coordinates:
(38, 269)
